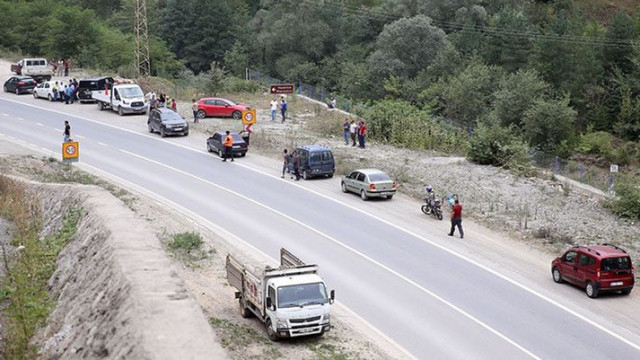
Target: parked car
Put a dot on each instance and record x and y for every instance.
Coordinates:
(596, 268)
(219, 107)
(167, 122)
(214, 144)
(316, 160)
(45, 90)
(369, 183)
(20, 84)
(86, 86)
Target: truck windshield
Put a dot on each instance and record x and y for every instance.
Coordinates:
(302, 295)
(131, 92)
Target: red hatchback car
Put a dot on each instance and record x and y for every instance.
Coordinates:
(219, 107)
(596, 268)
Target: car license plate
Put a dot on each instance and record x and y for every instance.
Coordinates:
(177, 129)
(306, 330)
(617, 283)
(385, 193)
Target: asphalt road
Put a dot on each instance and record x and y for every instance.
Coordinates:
(435, 302)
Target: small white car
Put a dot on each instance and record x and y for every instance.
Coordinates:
(45, 90)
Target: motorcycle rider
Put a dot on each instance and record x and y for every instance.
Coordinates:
(431, 197)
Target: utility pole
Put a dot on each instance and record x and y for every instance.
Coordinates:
(141, 34)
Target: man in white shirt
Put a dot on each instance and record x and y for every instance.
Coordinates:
(353, 128)
(274, 109)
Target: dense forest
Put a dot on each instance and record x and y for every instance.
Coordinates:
(559, 77)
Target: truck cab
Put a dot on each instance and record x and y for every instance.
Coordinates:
(123, 98)
(290, 300)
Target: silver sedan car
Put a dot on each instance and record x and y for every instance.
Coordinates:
(369, 183)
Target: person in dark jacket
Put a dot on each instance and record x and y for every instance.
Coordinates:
(296, 164)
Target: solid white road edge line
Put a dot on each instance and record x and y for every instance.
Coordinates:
(337, 242)
(494, 272)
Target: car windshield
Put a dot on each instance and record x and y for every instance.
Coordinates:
(616, 263)
(171, 115)
(130, 92)
(302, 295)
(379, 177)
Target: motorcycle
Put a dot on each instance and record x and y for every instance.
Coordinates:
(436, 211)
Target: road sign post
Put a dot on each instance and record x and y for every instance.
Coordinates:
(281, 88)
(70, 152)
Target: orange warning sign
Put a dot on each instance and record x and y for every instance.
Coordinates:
(70, 150)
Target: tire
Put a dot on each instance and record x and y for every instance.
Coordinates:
(625, 291)
(48, 78)
(186, 134)
(201, 114)
(273, 336)
(243, 154)
(244, 311)
(330, 175)
(220, 153)
(363, 195)
(439, 214)
(424, 209)
(35, 95)
(209, 148)
(150, 128)
(17, 91)
(50, 98)
(236, 115)
(120, 112)
(591, 290)
(100, 106)
(389, 197)
(162, 133)
(344, 187)
(5, 88)
(305, 175)
(557, 276)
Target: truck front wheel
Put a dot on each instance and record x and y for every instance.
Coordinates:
(271, 333)
(120, 112)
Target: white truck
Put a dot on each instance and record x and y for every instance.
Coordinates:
(39, 69)
(123, 98)
(290, 300)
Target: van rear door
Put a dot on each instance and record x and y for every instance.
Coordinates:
(327, 161)
(616, 272)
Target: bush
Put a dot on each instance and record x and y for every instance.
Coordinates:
(627, 198)
(236, 85)
(186, 241)
(599, 143)
(492, 144)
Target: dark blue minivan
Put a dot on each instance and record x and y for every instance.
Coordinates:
(316, 160)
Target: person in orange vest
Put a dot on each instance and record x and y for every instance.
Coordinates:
(228, 146)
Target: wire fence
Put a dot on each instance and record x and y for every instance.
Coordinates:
(311, 91)
(577, 170)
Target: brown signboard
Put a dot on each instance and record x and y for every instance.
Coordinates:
(282, 88)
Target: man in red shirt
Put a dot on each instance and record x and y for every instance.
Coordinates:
(456, 219)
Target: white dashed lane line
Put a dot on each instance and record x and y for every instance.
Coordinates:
(103, 144)
(40, 124)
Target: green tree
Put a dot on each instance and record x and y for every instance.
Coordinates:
(509, 43)
(618, 50)
(549, 123)
(492, 144)
(236, 59)
(516, 93)
(68, 30)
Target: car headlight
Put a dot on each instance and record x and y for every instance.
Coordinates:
(326, 319)
(281, 323)
(125, 102)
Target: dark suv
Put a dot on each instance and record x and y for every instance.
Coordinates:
(167, 122)
(86, 86)
(596, 268)
(214, 144)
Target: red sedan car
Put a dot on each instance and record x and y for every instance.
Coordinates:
(219, 107)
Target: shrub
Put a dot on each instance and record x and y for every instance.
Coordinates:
(627, 198)
(492, 144)
(186, 241)
(599, 143)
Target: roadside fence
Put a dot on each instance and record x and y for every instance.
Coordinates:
(576, 170)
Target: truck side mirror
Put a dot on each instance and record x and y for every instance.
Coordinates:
(332, 296)
(269, 303)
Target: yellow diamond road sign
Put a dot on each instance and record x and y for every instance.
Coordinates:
(249, 117)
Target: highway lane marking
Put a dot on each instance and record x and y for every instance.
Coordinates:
(5, 114)
(220, 230)
(101, 143)
(353, 250)
(39, 124)
(441, 247)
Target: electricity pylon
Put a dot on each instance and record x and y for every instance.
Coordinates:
(141, 34)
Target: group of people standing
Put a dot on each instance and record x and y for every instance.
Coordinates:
(163, 101)
(353, 130)
(291, 163)
(60, 67)
(65, 92)
(283, 108)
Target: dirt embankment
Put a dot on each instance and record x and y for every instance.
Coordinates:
(117, 294)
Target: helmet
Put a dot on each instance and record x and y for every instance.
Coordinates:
(429, 188)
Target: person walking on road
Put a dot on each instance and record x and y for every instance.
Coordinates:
(194, 108)
(296, 164)
(456, 219)
(345, 128)
(283, 108)
(228, 146)
(274, 109)
(67, 131)
(285, 163)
